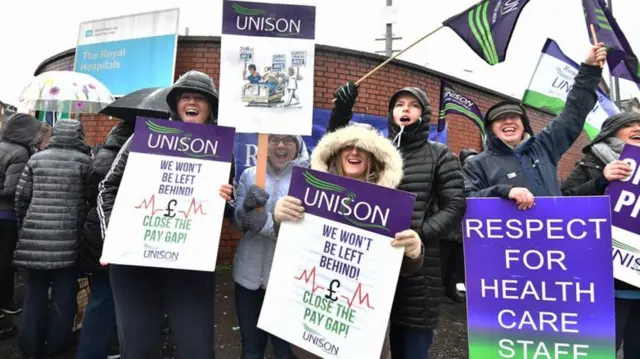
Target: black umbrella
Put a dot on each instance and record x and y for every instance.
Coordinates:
(147, 102)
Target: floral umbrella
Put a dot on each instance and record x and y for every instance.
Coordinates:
(65, 91)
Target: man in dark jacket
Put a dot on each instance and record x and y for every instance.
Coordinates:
(51, 202)
(100, 313)
(18, 135)
(517, 163)
(433, 174)
(142, 293)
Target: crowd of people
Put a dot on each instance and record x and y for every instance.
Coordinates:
(57, 197)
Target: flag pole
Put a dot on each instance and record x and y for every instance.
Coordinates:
(595, 40)
(398, 54)
(395, 56)
(531, 80)
(410, 46)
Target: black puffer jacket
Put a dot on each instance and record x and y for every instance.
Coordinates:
(434, 175)
(51, 200)
(192, 81)
(587, 177)
(91, 244)
(18, 134)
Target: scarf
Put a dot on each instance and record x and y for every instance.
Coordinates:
(608, 150)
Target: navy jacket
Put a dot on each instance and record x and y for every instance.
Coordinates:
(534, 163)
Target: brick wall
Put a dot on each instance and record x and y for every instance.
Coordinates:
(333, 67)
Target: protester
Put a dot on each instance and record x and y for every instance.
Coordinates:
(51, 206)
(591, 176)
(518, 164)
(18, 135)
(452, 253)
(433, 174)
(98, 336)
(358, 152)
(143, 294)
(254, 255)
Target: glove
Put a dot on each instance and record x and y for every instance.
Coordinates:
(256, 197)
(346, 97)
(254, 221)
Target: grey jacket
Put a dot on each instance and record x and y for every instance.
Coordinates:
(254, 254)
(51, 200)
(18, 133)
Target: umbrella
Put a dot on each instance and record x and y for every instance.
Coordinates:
(65, 91)
(146, 102)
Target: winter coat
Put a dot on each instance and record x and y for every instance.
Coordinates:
(51, 200)
(254, 254)
(192, 81)
(91, 244)
(587, 177)
(433, 174)
(534, 163)
(366, 138)
(18, 133)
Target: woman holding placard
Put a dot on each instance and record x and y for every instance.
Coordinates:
(254, 255)
(143, 294)
(358, 152)
(591, 176)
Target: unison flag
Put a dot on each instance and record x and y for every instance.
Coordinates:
(487, 27)
(452, 102)
(551, 83)
(622, 61)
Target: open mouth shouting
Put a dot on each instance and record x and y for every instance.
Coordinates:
(405, 120)
(191, 112)
(281, 155)
(635, 137)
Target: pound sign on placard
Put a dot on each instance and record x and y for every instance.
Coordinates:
(330, 296)
(169, 212)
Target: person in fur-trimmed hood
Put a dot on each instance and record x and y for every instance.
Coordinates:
(433, 174)
(600, 166)
(358, 152)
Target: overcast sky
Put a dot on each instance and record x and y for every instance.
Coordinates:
(33, 30)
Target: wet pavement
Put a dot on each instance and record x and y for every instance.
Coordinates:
(450, 339)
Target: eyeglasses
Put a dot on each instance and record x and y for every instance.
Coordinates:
(287, 141)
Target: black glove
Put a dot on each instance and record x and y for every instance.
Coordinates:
(256, 197)
(254, 220)
(346, 97)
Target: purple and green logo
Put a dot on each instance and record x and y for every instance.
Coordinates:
(175, 139)
(268, 19)
(337, 199)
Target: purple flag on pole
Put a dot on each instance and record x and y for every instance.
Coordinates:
(487, 27)
(622, 61)
(452, 102)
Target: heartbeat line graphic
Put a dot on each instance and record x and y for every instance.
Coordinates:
(151, 202)
(358, 294)
(195, 207)
(311, 276)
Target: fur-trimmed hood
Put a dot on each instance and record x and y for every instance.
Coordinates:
(366, 138)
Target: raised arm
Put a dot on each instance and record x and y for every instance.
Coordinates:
(565, 129)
